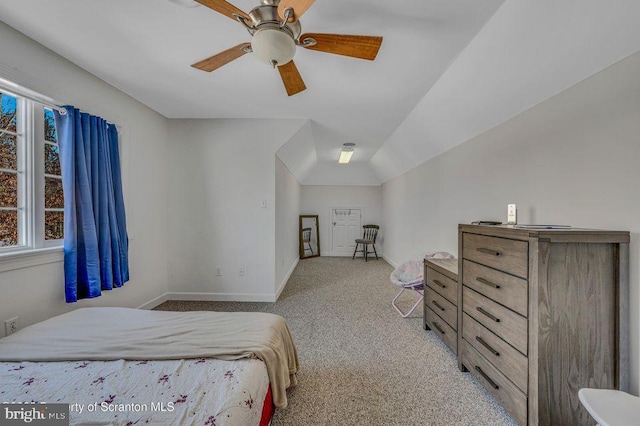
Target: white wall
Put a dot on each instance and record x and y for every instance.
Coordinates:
(320, 199)
(36, 293)
(287, 206)
(222, 170)
(572, 159)
(299, 153)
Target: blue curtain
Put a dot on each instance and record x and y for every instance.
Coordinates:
(95, 233)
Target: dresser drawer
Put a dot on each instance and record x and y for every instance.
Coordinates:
(441, 306)
(499, 253)
(509, 396)
(444, 285)
(505, 289)
(443, 330)
(509, 361)
(508, 325)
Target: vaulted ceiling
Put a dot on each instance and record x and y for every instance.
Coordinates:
(447, 70)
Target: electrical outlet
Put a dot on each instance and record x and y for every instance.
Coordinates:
(11, 326)
(241, 271)
(218, 271)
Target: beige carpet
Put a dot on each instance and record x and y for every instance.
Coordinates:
(362, 364)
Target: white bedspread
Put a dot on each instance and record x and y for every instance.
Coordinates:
(191, 392)
(105, 334)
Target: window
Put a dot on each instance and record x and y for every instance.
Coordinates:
(31, 197)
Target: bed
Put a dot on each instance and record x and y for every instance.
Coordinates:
(128, 366)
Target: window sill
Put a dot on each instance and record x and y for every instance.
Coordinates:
(30, 257)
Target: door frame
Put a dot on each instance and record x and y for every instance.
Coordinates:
(362, 222)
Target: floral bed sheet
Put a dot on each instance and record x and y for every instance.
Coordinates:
(202, 391)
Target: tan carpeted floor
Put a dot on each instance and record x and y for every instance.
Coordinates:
(362, 364)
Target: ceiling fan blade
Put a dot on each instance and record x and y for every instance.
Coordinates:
(299, 8)
(222, 58)
(356, 46)
(291, 78)
(223, 7)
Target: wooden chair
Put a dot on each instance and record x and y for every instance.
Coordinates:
(306, 238)
(368, 239)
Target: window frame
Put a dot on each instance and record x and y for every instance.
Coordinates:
(40, 142)
(21, 173)
(30, 148)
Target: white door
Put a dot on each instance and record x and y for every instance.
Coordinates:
(346, 227)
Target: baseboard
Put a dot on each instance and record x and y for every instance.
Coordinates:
(390, 262)
(283, 284)
(216, 297)
(222, 297)
(358, 255)
(155, 302)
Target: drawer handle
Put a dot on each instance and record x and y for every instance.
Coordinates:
(437, 305)
(439, 284)
(486, 345)
(487, 282)
(437, 327)
(483, 312)
(487, 378)
(496, 253)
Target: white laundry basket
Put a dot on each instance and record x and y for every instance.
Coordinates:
(410, 276)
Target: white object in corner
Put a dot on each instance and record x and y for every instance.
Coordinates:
(611, 407)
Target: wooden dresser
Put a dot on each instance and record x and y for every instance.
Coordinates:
(441, 300)
(541, 314)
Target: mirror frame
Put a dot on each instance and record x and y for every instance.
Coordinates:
(300, 246)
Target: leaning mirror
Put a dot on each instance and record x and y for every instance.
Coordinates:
(309, 239)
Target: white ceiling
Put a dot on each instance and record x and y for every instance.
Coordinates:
(528, 52)
(447, 71)
(145, 48)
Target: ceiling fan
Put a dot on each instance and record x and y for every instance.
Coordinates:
(276, 32)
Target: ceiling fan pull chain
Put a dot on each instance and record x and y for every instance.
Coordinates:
(288, 13)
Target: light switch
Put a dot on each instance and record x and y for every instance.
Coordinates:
(263, 203)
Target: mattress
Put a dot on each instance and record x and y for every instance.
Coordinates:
(111, 334)
(201, 391)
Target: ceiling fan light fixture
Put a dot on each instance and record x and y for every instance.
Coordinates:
(273, 45)
(276, 32)
(346, 153)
